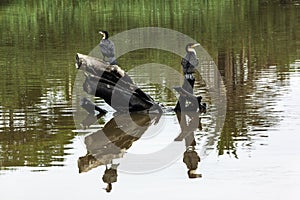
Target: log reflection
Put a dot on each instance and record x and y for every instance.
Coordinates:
(112, 141)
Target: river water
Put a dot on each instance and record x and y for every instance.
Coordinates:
(256, 48)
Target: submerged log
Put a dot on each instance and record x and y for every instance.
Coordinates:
(112, 84)
(91, 108)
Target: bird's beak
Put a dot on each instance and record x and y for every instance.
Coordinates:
(195, 45)
(101, 32)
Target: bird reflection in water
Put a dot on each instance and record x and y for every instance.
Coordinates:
(190, 107)
(189, 122)
(110, 176)
(112, 141)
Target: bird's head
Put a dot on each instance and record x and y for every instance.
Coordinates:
(104, 34)
(190, 47)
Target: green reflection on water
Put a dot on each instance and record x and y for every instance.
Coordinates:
(40, 38)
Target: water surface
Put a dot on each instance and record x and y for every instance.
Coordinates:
(256, 48)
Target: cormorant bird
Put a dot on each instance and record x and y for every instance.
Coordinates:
(107, 48)
(189, 64)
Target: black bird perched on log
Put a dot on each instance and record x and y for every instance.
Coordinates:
(189, 64)
(112, 84)
(107, 48)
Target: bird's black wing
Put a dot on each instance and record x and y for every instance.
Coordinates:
(189, 63)
(193, 60)
(107, 48)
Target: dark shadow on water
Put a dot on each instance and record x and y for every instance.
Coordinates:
(112, 141)
(106, 146)
(189, 123)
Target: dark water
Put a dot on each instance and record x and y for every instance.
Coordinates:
(255, 46)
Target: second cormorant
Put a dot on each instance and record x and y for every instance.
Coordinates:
(107, 48)
(189, 64)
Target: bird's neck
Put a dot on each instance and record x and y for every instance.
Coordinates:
(192, 51)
